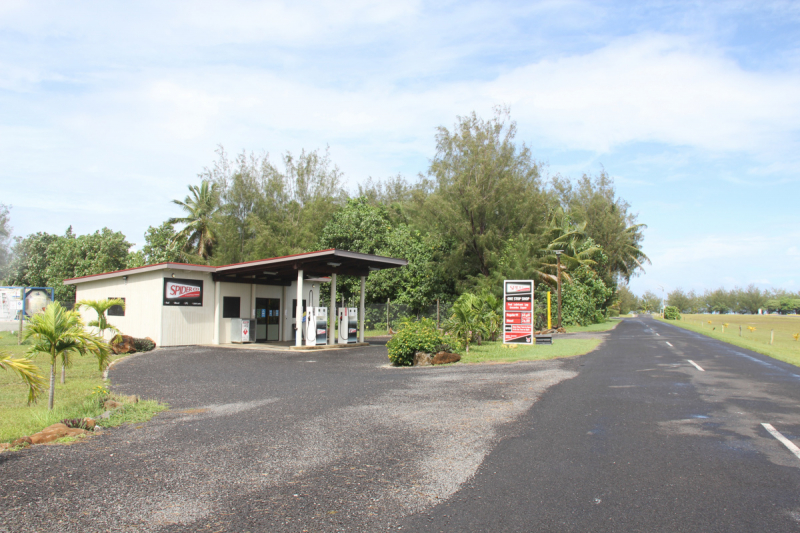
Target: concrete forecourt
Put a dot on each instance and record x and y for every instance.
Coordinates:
(659, 429)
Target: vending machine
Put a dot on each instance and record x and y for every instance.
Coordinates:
(316, 326)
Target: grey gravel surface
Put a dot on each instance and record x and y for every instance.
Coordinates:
(275, 441)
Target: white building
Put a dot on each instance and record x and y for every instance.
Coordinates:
(179, 304)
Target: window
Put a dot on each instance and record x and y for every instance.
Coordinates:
(116, 310)
(294, 308)
(230, 306)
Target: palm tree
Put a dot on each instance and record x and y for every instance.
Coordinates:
(492, 313)
(198, 236)
(100, 307)
(26, 370)
(60, 332)
(466, 319)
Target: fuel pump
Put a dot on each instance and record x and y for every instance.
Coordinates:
(316, 323)
(352, 327)
(343, 326)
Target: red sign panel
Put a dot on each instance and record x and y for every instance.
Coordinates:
(518, 312)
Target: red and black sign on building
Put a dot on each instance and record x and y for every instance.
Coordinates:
(518, 312)
(183, 291)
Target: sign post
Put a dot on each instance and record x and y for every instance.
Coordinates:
(518, 312)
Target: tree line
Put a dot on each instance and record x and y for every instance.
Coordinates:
(746, 300)
(482, 212)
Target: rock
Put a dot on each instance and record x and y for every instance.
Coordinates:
(422, 359)
(111, 404)
(125, 345)
(55, 432)
(154, 342)
(90, 423)
(442, 358)
(23, 441)
(131, 399)
(4, 446)
(105, 416)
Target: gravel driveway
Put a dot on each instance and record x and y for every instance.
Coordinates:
(274, 441)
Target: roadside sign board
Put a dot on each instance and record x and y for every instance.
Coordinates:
(518, 312)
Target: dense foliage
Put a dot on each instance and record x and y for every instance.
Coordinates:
(483, 212)
(415, 336)
(671, 313)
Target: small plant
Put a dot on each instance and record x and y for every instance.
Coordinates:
(143, 345)
(671, 313)
(77, 423)
(751, 328)
(796, 336)
(419, 336)
(100, 394)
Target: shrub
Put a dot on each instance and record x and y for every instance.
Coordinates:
(671, 313)
(79, 423)
(143, 345)
(417, 336)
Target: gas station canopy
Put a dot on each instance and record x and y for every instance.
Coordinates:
(282, 271)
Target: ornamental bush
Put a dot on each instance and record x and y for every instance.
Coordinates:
(143, 345)
(671, 313)
(416, 336)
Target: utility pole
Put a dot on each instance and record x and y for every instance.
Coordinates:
(558, 268)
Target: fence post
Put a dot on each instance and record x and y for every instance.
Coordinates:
(437, 313)
(771, 336)
(21, 314)
(388, 328)
(740, 330)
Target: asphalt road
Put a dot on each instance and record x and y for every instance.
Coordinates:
(631, 437)
(642, 440)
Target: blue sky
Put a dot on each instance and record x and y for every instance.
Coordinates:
(109, 109)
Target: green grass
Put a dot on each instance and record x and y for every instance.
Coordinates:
(493, 352)
(72, 400)
(605, 326)
(784, 347)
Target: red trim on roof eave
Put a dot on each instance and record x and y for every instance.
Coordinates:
(280, 257)
(138, 268)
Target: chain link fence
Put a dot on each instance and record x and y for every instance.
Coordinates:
(380, 319)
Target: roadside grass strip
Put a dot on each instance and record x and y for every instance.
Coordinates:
(497, 352)
(725, 328)
(73, 399)
(698, 367)
(786, 442)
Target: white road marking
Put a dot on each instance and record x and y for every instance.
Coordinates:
(658, 334)
(786, 442)
(696, 365)
(669, 343)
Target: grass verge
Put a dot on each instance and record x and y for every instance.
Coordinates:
(74, 399)
(784, 347)
(493, 352)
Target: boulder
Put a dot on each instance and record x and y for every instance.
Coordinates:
(111, 404)
(125, 345)
(154, 342)
(422, 359)
(90, 423)
(55, 432)
(22, 441)
(442, 358)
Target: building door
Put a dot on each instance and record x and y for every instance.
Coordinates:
(268, 322)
